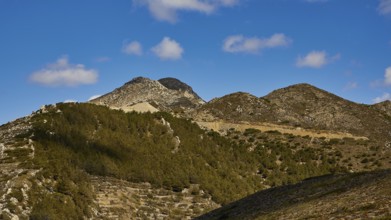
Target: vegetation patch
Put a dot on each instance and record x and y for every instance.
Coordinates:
(73, 140)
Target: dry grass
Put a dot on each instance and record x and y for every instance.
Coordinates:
(224, 126)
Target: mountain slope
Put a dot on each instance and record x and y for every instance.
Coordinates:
(75, 144)
(167, 94)
(308, 106)
(384, 107)
(81, 160)
(304, 106)
(347, 196)
(175, 84)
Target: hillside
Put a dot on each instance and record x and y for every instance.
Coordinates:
(384, 107)
(57, 153)
(301, 106)
(151, 149)
(347, 196)
(167, 94)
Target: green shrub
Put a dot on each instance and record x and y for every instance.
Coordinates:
(86, 138)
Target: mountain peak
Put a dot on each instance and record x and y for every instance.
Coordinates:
(239, 96)
(138, 79)
(167, 94)
(305, 87)
(302, 92)
(301, 105)
(175, 84)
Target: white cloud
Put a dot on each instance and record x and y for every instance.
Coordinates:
(133, 48)
(241, 44)
(351, 85)
(316, 59)
(384, 82)
(387, 76)
(94, 97)
(384, 7)
(384, 97)
(168, 49)
(62, 73)
(70, 101)
(166, 10)
(229, 2)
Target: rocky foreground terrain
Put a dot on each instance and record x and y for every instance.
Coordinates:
(153, 149)
(15, 180)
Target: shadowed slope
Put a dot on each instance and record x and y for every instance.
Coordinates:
(352, 196)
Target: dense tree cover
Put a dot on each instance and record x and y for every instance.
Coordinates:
(74, 139)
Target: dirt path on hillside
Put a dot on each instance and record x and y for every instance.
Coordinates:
(224, 126)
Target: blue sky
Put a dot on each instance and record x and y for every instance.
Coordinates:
(53, 51)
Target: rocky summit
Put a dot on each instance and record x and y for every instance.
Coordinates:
(143, 94)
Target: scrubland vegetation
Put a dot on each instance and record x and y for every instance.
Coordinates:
(74, 140)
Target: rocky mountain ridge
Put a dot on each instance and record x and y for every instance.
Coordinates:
(298, 106)
(167, 94)
(301, 106)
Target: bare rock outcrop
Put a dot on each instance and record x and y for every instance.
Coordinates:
(167, 94)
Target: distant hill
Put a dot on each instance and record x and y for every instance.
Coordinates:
(303, 106)
(347, 196)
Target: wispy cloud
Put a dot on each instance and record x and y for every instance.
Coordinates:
(242, 44)
(94, 97)
(387, 76)
(384, 82)
(62, 73)
(384, 7)
(168, 49)
(228, 2)
(351, 85)
(132, 48)
(316, 59)
(384, 97)
(167, 10)
(70, 101)
(102, 59)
